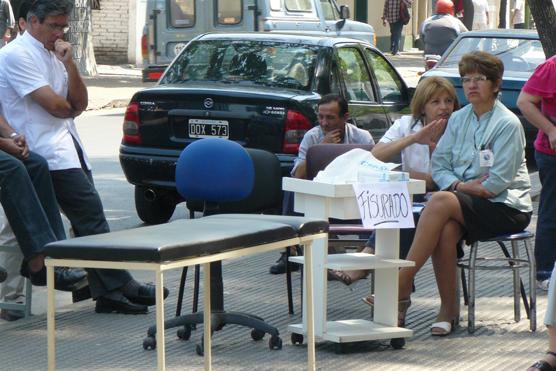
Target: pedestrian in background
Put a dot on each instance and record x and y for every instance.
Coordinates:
(391, 15)
(7, 22)
(518, 14)
(438, 32)
(537, 102)
(480, 15)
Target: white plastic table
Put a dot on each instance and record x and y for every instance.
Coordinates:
(324, 200)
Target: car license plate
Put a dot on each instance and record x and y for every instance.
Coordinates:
(201, 128)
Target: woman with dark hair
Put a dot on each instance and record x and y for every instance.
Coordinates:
(479, 166)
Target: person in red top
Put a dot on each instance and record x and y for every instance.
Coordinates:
(537, 102)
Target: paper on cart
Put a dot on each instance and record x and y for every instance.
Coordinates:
(355, 164)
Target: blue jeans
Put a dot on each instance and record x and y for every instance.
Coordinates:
(545, 239)
(395, 36)
(28, 199)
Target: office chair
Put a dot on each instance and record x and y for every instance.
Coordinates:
(229, 178)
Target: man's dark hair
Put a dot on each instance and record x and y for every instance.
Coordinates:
(329, 98)
(49, 8)
(23, 10)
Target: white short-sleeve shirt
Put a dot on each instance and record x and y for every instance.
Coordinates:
(415, 157)
(25, 66)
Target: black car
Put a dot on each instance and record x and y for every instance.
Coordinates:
(258, 89)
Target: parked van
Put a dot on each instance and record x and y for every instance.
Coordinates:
(171, 24)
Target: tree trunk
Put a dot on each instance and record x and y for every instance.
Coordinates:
(502, 14)
(81, 38)
(544, 16)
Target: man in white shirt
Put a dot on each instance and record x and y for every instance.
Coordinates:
(41, 92)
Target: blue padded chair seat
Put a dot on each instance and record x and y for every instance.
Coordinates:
(303, 226)
(173, 241)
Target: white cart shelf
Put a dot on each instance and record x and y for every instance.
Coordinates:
(324, 200)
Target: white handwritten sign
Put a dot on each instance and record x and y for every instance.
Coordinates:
(384, 205)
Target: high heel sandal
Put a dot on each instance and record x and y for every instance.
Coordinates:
(444, 328)
(403, 306)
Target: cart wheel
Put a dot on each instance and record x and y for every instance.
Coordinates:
(297, 338)
(339, 348)
(257, 334)
(199, 349)
(397, 343)
(149, 343)
(184, 333)
(275, 343)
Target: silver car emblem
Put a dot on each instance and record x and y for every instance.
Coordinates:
(208, 103)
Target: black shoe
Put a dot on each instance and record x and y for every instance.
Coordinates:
(280, 266)
(65, 279)
(146, 294)
(11, 315)
(3, 274)
(119, 305)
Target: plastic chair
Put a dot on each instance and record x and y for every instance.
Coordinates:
(511, 262)
(228, 179)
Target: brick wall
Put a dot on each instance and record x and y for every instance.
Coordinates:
(110, 31)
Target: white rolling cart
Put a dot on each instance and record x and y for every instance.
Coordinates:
(326, 200)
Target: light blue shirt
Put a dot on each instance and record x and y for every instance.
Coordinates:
(456, 156)
(353, 135)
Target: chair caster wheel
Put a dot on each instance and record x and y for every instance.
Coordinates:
(275, 343)
(397, 343)
(296, 338)
(149, 343)
(184, 333)
(339, 348)
(199, 350)
(257, 334)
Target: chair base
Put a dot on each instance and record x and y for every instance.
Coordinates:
(218, 321)
(511, 262)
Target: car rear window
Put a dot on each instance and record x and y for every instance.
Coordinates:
(276, 64)
(518, 55)
(182, 13)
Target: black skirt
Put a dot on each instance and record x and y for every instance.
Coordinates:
(485, 219)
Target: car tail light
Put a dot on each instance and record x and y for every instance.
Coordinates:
(154, 75)
(131, 124)
(295, 128)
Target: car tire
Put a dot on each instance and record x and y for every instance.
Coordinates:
(157, 210)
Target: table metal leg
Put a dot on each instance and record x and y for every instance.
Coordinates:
(50, 317)
(309, 304)
(206, 317)
(160, 349)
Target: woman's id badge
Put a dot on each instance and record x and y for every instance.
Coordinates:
(486, 158)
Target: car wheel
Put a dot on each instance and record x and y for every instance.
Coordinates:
(153, 208)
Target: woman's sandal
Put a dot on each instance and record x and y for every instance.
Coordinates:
(335, 275)
(543, 365)
(444, 328)
(403, 306)
(346, 278)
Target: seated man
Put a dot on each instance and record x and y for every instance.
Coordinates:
(438, 32)
(41, 93)
(333, 128)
